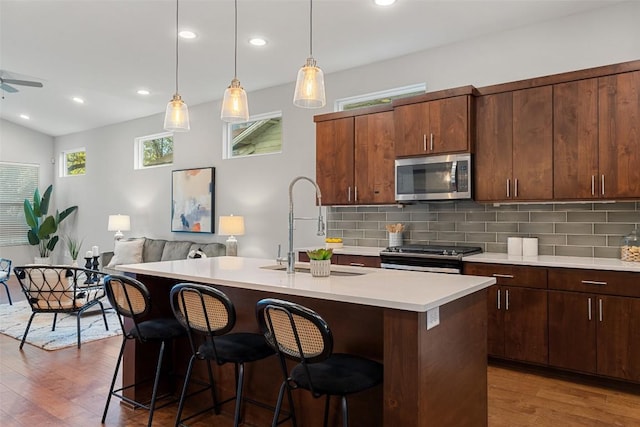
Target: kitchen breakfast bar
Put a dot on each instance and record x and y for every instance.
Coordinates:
(428, 330)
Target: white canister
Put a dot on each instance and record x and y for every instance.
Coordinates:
(530, 246)
(395, 239)
(514, 246)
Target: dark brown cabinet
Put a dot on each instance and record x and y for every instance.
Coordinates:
(355, 157)
(517, 311)
(433, 127)
(514, 145)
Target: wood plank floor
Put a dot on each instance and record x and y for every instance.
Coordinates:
(68, 388)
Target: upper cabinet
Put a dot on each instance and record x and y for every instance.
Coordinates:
(514, 154)
(355, 157)
(434, 123)
(596, 138)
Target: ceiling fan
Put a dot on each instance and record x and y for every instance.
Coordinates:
(5, 84)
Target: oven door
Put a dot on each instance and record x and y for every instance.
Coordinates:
(419, 263)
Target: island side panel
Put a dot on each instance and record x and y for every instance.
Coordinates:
(450, 361)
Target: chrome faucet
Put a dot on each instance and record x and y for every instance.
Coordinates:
(290, 255)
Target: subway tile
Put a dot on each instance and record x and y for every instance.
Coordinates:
(617, 206)
(548, 217)
(345, 208)
(414, 207)
(353, 216)
(551, 239)
(531, 207)
(614, 240)
(501, 208)
(442, 206)
(481, 216)
(452, 236)
(353, 234)
(363, 225)
(586, 216)
(481, 237)
(624, 216)
(375, 216)
(537, 227)
(451, 216)
(367, 209)
(470, 226)
(500, 248)
(503, 237)
(573, 206)
(613, 228)
(513, 216)
(601, 252)
(333, 215)
(371, 243)
(587, 240)
(469, 205)
(583, 251)
(349, 241)
(424, 216)
(442, 226)
(423, 235)
(574, 228)
(422, 225)
(375, 234)
(546, 250)
(505, 227)
(398, 216)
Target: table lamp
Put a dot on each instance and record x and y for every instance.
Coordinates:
(119, 223)
(231, 226)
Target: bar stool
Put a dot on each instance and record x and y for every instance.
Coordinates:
(207, 312)
(299, 333)
(131, 299)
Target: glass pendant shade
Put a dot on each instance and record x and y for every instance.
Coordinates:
(235, 107)
(176, 118)
(309, 91)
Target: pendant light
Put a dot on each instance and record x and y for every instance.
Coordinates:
(309, 91)
(235, 107)
(176, 118)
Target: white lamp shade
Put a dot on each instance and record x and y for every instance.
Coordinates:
(235, 107)
(231, 225)
(119, 223)
(176, 117)
(309, 91)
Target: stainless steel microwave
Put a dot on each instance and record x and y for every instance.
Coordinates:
(433, 178)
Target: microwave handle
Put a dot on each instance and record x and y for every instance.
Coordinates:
(454, 175)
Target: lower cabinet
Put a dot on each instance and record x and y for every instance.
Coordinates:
(345, 259)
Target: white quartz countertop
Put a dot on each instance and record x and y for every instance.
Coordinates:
(556, 261)
(404, 290)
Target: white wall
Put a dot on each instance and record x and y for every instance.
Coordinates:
(257, 187)
(21, 145)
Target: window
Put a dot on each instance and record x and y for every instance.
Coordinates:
(262, 134)
(73, 162)
(378, 98)
(19, 181)
(153, 150)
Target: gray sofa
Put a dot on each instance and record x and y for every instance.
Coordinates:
(168, 250)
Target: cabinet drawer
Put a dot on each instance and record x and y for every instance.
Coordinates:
(510, 275)
(621, 283)
(358, 260)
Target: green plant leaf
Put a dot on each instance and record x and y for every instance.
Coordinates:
(52, 243)
(46, 197)
(30, 216)
(47, 228)
(320, 254)
(33, 238)
(65, 213)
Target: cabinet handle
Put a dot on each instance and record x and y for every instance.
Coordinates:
(593, 185)
(506, 300)
(589, 308)
(349, 194)
(508, 185)
(355, 192)
(431, 141)
(603, 184)
(504, 276)
(593, 282)
(600, 308)
(424, 141)
(356, 264)
(498, 299)
(515, 189)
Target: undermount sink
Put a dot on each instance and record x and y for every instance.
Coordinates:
(307, 269)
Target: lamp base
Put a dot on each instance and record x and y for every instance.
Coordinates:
(118, 235)
(232, 246)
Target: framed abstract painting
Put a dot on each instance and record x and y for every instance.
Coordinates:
(192, 196)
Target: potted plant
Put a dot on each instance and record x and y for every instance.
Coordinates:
(73, 246)
(43, 227)
(320, 261)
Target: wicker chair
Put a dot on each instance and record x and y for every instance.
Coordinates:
(5, 272)
(207, 312)
(60, 289)
(299, 333)
(131, 299)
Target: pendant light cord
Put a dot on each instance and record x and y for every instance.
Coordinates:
(177, 37)
(311, 28)
(235, 42)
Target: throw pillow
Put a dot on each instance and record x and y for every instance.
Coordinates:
(127, 252)
(196, 253)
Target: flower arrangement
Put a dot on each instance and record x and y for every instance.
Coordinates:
(320, 254)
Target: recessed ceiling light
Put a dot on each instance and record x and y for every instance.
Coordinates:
(257, 41)
(24, 116)
(143, 92)
(384, 2)
(186, 34)
(78, 100)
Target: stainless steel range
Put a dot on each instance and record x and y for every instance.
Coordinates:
(431, 258)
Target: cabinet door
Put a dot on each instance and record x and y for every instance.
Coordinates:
(374, 158)
(533, 144)
(495, 326)
(525, 325)
(494, 139)
(412, 125)
(448, 125)
(334, 160)
(575, 140)
(572, 331)
(358, 260)
(619, 337)
(619, 135)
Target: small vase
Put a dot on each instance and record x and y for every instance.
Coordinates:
(320, 267)
(42, 260)
(395, 239)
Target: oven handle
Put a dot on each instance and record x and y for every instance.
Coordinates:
(418, 255)
(419, 268)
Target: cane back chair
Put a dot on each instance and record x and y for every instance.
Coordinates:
(5, 272)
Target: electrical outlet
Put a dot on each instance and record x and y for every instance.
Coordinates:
(433, 317)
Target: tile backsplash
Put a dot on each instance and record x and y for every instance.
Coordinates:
(572, 229)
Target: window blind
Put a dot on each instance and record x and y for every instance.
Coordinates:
(18, 181)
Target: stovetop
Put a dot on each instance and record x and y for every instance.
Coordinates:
(434, 250)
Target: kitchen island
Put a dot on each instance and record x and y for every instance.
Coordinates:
(428, 330)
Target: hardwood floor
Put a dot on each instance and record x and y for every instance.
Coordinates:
(68, 387)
